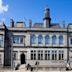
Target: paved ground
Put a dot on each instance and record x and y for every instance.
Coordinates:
(23, 70)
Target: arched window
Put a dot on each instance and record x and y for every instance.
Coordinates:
(33, 39)
(54, 39)
(47, 39)
(40, 38)
(60, 39)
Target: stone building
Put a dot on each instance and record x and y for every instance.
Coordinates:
(47, 43)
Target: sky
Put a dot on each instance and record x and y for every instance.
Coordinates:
(23, 10)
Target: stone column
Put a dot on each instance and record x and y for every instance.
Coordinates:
(43, 40)
(18, 56)
(57, 43)
(50, 40)
(36, 40)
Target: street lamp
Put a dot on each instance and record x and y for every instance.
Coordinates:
(68, 65)
(11, 51)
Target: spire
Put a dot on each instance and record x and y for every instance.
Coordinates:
(47, 12)
(47, 18)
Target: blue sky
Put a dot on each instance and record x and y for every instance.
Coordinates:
(23, 10)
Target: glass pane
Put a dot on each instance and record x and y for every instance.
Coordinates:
(32, 39)
(54, 40)
(47, 39)
(40, 39)
(60, 39)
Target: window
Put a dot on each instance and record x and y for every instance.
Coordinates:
(47, 55)
(1, 40)
(33, 39)
(61, 55)
(71, 41)
(33, 55)
(60, 39)
(54, 55)
(40, 55)
(47, 39)
(18, 39)
(0, 59)
(54, 39)
(40, 39)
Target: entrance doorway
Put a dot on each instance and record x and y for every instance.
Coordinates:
(23, 60)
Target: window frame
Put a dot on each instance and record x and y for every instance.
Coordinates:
(61, 55)
(47, 39)
(53, 39)
(18, 39)
(1, 41)
(60, 40)
(54, 54)
(33, 55)
(32, 39)
(40, 39)
(71, 40)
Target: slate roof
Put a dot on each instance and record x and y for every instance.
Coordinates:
(40, 25)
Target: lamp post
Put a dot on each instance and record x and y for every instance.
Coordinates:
(67, 66)
(11, 53)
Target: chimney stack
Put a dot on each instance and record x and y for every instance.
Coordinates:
(11, 23)
(63, 24)
(30, 23)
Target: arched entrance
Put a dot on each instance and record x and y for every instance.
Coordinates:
(23, 61)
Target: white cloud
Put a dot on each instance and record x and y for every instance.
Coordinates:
(3, 8)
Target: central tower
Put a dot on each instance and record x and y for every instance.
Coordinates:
(47, 19)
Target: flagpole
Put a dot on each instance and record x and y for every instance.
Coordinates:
(11, 53)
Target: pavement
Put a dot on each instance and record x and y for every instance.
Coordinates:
(23, 70)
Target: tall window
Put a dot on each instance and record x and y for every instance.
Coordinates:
(54, 39)
(33, 55)
(33, 39)
(1, 40)
(60, 39)
(47, 39)
(40, 39)
(71, 41)
(54, 55)
(61, 55)
(18, 39)
(47, 55)
(40, 54)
